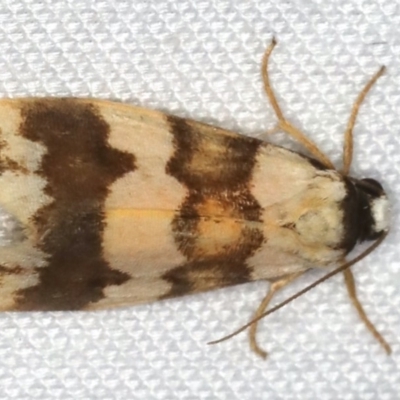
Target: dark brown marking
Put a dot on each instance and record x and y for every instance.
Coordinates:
(217, 170)
(289, 225)
(315, 163)
(12, 165)
(358, 221)
(79, 167)
(11, 271)
(7, 164)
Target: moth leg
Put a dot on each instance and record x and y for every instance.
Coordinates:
(274, 288)
(351, 289)
(348, 135)
(283, 123)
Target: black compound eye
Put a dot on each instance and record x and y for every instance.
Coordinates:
(371, 187)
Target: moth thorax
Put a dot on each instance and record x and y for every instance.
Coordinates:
(375, 212)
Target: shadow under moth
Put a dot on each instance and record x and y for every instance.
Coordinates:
(104, 205)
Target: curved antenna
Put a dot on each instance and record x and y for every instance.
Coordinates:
(348, 134)
(283, 123)
(336, 271)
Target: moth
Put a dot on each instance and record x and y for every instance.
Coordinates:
(104, 205)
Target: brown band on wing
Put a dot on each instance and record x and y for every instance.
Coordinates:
(79, 167)
(215, 226)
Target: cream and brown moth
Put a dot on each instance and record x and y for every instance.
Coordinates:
(104, 205)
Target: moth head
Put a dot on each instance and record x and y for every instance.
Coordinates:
(375, 209)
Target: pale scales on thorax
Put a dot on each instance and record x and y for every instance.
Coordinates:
(104, 204)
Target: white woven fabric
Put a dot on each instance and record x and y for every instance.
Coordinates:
(201, 59)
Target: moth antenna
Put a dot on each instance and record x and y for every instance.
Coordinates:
(329, 275)
(348, 134)
(283, 123)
